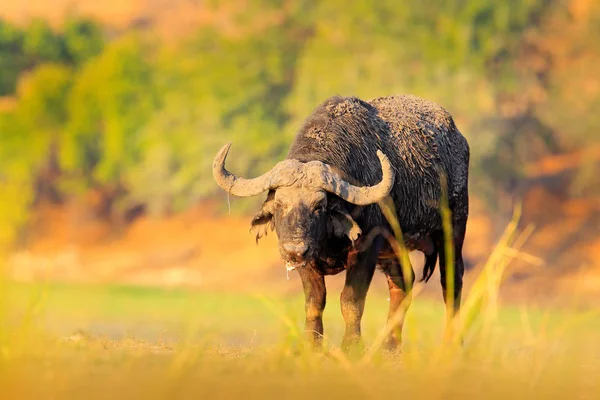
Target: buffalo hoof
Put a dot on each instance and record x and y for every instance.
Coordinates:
(391, 346)
(353, 346)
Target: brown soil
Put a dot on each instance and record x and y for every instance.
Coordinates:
(198, 249)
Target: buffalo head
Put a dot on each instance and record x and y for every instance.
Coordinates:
(298, 206)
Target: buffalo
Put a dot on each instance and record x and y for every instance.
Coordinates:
(325, 202)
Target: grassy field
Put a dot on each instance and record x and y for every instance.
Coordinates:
(61, 341)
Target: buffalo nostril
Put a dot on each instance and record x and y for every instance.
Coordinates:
(297, 249)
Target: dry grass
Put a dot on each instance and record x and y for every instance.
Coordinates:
(157, 344)
(119, 342)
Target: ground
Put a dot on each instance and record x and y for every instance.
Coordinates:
(226, 321)
(191, 306)
(206, 249)
(99, 341)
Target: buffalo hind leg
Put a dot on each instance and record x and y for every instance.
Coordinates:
(455, 272)
(400, 299)
(315, 294)
(359, 273)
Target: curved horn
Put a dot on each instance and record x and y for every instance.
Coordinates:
(280, 174)
(361, 195)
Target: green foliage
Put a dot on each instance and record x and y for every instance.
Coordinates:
(11, 60)
(227, 89)
(42, 96)
(16, 178)
(431, 49)
(41, 42)
(34, 65)
(111, 98)
(11, 38)
(83, 39)
(21, 49)
(26, 136)
(148, 115)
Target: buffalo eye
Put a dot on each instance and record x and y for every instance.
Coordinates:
(320, 206)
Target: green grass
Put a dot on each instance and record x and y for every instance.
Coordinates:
(73, 341)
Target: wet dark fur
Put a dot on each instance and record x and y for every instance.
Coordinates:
(421, 141)
(422, 144)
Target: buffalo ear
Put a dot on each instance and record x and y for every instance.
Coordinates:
(344, 225)
(262, 222)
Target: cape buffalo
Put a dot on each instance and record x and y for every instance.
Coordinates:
(322, 201)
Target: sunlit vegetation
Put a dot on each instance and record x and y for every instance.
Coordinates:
(135, 118)
(140, 118)
(74, 341)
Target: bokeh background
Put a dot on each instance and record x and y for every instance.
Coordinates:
(111, 113)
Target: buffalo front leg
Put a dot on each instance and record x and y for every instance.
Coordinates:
(400, 299)
(315, 294)
(360, 269)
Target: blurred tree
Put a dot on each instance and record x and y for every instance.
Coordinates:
(141, 118)
(112, 98)
(16, 178)
(12, 61)
(11, 38)
(42, 97)
(431, 49)
(220, 89)
(83, 38)
(41, 43)
(21, 50)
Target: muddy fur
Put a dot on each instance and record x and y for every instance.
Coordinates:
(421, 141)
(323, 229)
